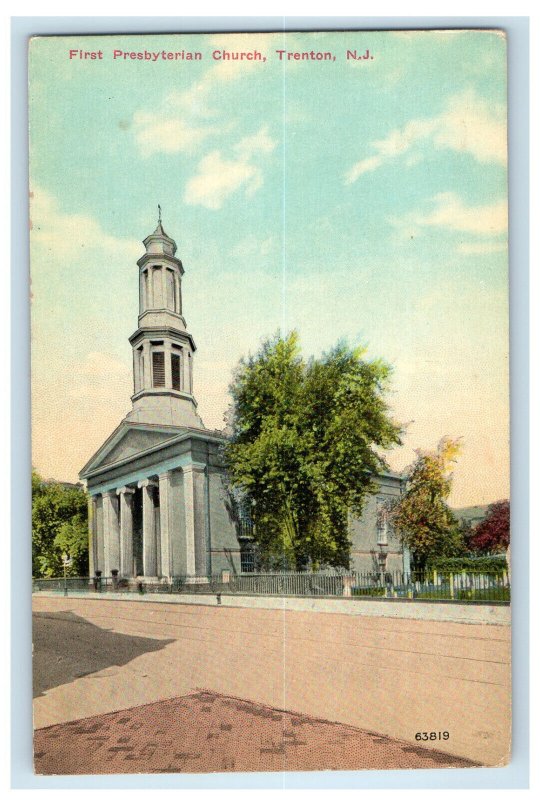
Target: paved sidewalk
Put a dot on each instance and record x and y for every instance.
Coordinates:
(208, 732)
(393, 676)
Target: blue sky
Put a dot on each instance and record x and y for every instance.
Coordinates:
(363, 200)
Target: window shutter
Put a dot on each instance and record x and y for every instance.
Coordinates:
(158, 369)
(175, 371)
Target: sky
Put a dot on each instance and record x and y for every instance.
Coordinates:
(363, 200)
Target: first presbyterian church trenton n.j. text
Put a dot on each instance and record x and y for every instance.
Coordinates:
(158, 507)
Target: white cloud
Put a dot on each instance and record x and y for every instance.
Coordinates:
(472, 125)
(260, 142)
(366, 165)
(450, 212)
(477, 248)
(180, 124)
(253, 246)
(219, 177)
(99, 377)
(67, 235)
(469, 124)
(173, 135)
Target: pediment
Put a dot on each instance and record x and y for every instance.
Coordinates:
(126, 441)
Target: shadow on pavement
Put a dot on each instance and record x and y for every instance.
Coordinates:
(67, 647)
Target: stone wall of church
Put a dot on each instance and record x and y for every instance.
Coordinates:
(225, 546)
(364, 532)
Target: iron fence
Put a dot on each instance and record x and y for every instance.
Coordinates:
(487, 587)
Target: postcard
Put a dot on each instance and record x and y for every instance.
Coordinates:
(270, 402)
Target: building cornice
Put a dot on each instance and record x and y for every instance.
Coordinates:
(186, 433)
(149, 311)
(165, 330)
(164, 391)
(157, 257)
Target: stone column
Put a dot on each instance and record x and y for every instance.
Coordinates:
(125, 495)
(164, 292)
(136, 374)
(111, 532)
(149, 529)
(146, 372)
(150, 284)
(195, 525)
(167, 359)
(100, 543)
(165, 525)
(177, 305)
(92, 538)
(185, 370)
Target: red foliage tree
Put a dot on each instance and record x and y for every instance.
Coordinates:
(492, 535)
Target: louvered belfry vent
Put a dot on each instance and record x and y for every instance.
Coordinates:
(158, 369)
(175, 371)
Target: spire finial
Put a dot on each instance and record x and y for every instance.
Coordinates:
(159, 214)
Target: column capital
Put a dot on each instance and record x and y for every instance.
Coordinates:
(110, 493)
(195, 466)
(125, 490)
(165, 475)
(144, 484)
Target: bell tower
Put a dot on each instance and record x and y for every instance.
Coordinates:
(162, 347)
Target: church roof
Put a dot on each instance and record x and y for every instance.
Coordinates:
(159, 231)
(139, 439)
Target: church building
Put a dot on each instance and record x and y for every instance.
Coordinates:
(157, 504)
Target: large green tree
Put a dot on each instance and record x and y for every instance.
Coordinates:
(305, 442)
(59, 525)
(422, 517)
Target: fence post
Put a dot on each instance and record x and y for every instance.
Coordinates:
(348, 581)
(451, 585)
(408, 578)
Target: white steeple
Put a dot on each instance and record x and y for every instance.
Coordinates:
(162, 347)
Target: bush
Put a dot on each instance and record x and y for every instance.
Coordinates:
(368, 591)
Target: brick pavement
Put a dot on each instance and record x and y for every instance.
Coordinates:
(209, 732)
(395, 677)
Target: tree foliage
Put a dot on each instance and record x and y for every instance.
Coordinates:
(303, 446)
(492, 535)
(422, 518)
(59, 525)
